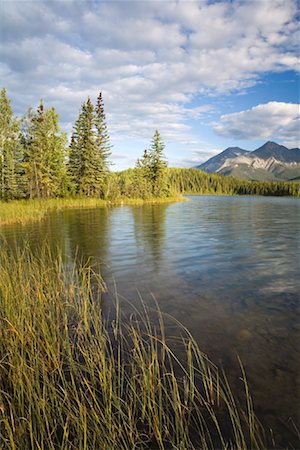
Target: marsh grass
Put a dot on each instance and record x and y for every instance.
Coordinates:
(70, 379)
(24, 211)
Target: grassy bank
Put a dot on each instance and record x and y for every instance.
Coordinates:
(71, 380)
(24, 211)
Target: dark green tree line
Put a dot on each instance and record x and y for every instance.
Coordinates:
(194, 181)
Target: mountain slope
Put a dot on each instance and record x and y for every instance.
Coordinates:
(279, 152)
(216, 162)
(269, 162)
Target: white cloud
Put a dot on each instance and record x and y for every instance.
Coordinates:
(150, 58)
(197, 157)
(273, 120)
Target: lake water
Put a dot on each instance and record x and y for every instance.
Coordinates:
(226, 267)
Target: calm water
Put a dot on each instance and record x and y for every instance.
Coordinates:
(227, 267)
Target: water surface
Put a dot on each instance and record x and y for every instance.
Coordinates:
(227, 267)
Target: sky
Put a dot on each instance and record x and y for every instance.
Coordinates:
(207, 74)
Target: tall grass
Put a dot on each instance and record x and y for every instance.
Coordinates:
(69, 379)
(24, 211)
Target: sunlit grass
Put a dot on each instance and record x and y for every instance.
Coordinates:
(24, 211)
(71, 380)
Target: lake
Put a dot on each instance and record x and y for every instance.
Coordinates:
(226, 267)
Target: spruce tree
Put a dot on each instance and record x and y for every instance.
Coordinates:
(102, 139)
(74, 163)
(44, 153)
(91, 170)
(89, 151)
(10, 152)
(142, 179)
(158, 166)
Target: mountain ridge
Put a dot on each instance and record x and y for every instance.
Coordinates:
(270, 162)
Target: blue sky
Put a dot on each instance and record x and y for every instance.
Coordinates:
(207, 75)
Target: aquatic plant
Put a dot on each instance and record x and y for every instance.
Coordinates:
(73, 379)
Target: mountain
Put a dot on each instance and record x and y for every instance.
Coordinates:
(270, 162)
(216, 162)
(278, 152)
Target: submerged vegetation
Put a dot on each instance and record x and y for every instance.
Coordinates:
(71, 379)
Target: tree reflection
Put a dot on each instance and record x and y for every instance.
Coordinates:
(149, 226)
(87, 235)
(47, 234)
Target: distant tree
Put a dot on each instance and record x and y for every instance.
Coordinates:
(44, 153)
(10, 152)
(152, 174)
(158, 166)
(142, 178)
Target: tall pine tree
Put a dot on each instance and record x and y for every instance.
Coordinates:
(103, 140)
(158, 166)
(10, 152)
(89, 151)
(44, 153)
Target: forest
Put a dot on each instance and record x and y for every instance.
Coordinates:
(37, 162)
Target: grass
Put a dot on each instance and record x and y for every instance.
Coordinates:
(69, 379)
(24, 211)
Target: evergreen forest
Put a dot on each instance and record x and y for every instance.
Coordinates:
(37, 161)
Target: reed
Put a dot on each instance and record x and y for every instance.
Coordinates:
(71, 379)
(24, 211)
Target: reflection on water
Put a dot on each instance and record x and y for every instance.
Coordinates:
(227, 267)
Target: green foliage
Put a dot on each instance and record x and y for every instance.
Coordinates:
(44, 153)
(10, 152)
(102, 137)
(158, 166)
(151, 178)
(89, 151)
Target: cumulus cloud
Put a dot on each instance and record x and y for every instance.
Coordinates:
(273, 120)
(150, 59)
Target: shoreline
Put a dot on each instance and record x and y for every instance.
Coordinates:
(25, 211)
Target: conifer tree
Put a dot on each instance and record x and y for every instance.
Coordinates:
(103, 140)
(10, 151)
(44, 149)
(142, 179)
(89, 151)
(144, 162)
(74, 163)
(158, 166)
(152, 175)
